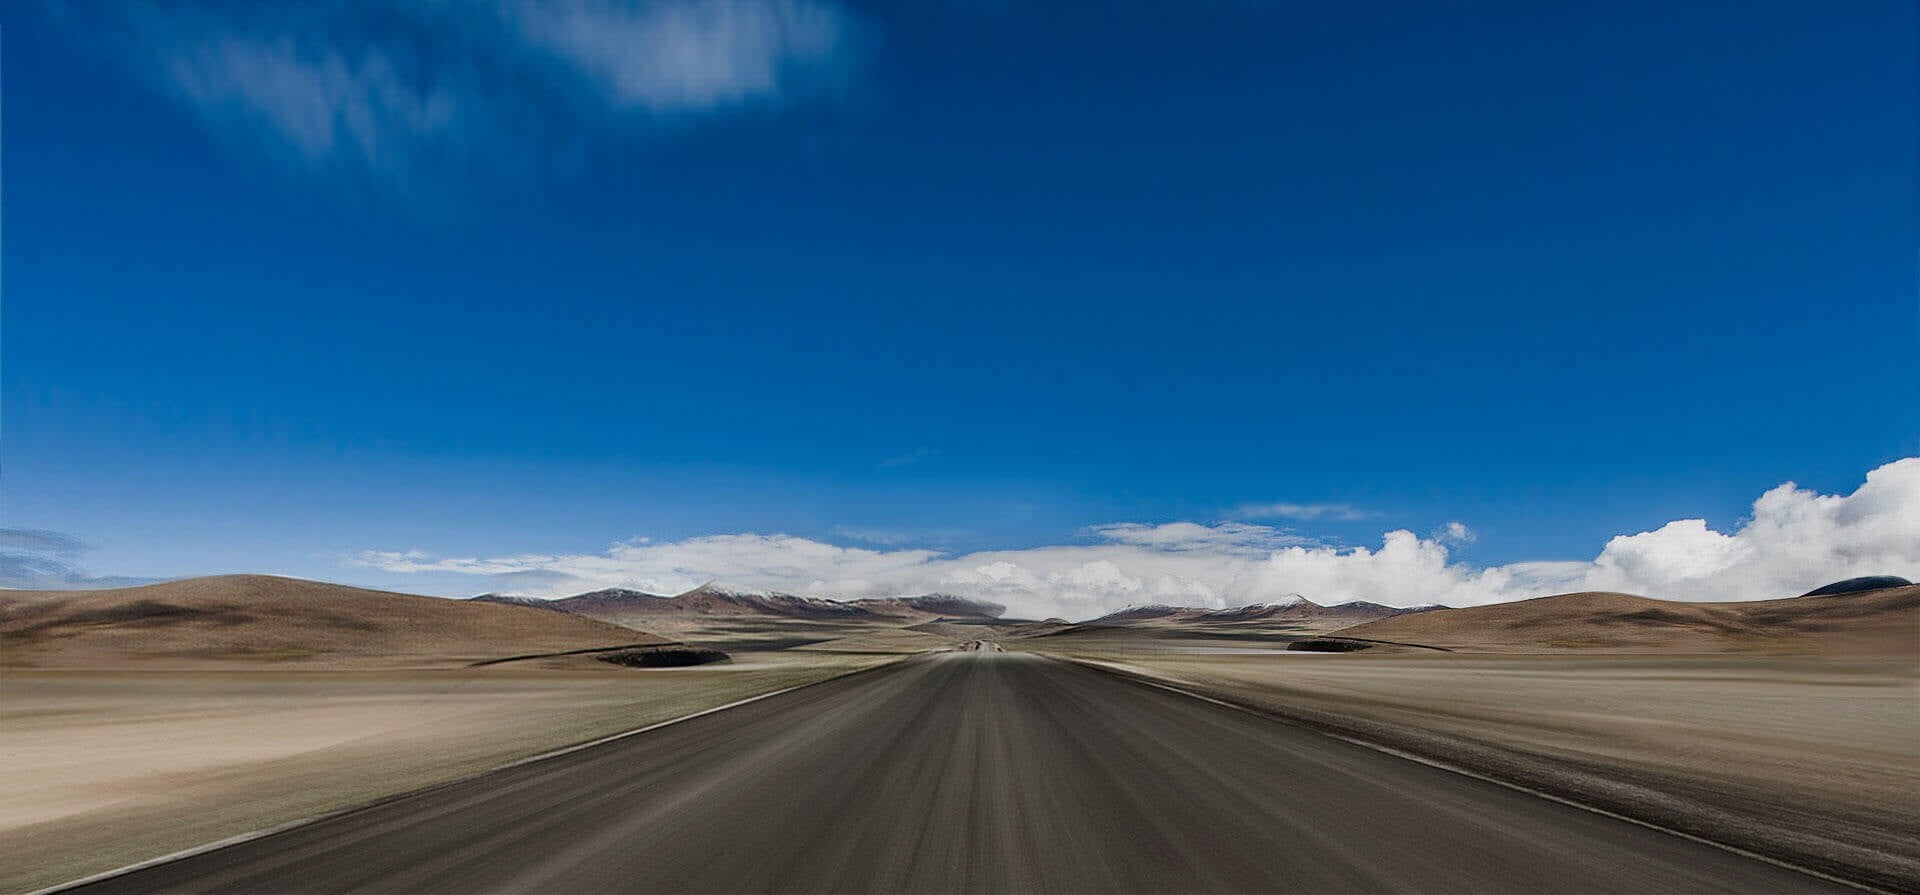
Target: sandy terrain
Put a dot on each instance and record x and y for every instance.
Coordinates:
(269, 621)
(102, 768)
(1814, 760)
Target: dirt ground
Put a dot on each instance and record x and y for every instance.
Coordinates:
(1816, 761)
(100, 769)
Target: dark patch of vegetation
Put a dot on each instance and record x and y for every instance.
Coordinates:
(1856, 585)
(664, 657)
(572, 652)
(1350, 644)
(1328, 645)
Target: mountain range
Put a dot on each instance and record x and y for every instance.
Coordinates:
(1293, 607)
(632, 607)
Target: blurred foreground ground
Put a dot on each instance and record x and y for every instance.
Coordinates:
(1814, 760)
(99, 769)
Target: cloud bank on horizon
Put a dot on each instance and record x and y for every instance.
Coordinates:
(1794, 540)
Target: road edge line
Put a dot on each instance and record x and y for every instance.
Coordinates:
(363, 806)
(1126, 673)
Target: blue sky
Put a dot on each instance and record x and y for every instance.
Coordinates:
(292, 291)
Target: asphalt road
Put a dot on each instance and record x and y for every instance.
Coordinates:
(975, 771)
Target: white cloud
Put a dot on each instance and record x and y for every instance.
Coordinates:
(775, 561)
(392, 94)
(871, 535)
(357, 111)
(1795, 540)
(1223, 537)
(907, 459)
(1341, 512)
(680, 55)
(38, 559)
(1455, 533)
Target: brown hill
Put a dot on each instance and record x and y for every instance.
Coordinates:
(270, 619)
(1885, 621)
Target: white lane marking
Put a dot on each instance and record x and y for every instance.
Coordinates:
(292, 824)
(1129, 673)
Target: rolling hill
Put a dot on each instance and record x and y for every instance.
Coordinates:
(1872, 622)
(266, 619)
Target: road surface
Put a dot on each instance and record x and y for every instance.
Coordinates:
(970, 771)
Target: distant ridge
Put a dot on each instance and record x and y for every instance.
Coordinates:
(1145, 612)
(517, 600)
(941, 605)
(714, 599)
(1292, 606)
(717, 598)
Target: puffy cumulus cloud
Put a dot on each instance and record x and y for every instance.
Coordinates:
(395, 96)
(1794, 541)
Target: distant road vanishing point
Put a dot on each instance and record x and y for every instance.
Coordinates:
(970, 771)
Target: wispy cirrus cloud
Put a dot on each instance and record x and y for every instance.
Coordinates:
(1455, 533)
(908, 458)
(354, 111)
(389, 95)
(35, 558)
(1304, 512)
(679, 56)
(1794, 540)
(1224, 537)
(872, 535)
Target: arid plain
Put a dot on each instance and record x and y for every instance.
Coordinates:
(144, 721)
